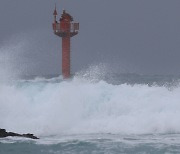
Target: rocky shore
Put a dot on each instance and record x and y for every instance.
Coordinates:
(3, 134)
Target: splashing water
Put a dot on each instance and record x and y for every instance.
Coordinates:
(86, 114)
(50, 107)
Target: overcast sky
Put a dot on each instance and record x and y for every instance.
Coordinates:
(135, 36)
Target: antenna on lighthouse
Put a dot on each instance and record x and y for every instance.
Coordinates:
(55, 13)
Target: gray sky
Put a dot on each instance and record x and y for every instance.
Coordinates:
(136, 36)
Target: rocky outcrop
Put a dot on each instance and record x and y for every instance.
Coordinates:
(3, 134)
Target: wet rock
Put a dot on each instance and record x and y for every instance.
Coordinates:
(3, 134)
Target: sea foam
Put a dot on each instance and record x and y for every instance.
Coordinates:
(79, 106)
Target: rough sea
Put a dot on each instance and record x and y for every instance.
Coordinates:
(111, 114)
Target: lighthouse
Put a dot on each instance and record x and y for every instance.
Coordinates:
(65, 29)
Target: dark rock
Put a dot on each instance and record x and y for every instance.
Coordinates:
(3, 134)
(30, 136)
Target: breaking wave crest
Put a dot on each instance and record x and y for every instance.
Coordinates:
(79, 106)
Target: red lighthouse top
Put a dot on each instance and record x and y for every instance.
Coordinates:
(65, 25)
(66, 17)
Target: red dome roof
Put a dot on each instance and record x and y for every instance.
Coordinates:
(66, 16)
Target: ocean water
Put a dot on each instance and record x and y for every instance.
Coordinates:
(117, 114)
